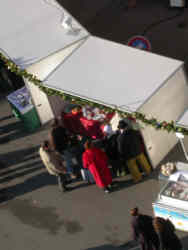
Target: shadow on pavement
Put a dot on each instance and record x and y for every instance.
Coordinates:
(130, 245)
(81, 185)
(16, 130)
(104, 247)
(121, 184)
(6, 117)
(32, 168)
(10, 127)
(124, 184)
(18, 156)
(12, 170)
(16, 134)
(29, 185)
(116, 186)
(184, 241)
(12, 131)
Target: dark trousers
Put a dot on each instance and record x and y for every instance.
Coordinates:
(62, 181)
(119, 167)
(122, 168)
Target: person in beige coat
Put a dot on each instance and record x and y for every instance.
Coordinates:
(54, 164)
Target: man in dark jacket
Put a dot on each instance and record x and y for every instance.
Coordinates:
(166, 233)
(58, 137)
(111, 149)
(143, 230)
(60, 141)
(130, 149)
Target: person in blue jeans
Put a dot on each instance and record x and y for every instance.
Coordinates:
(68, 157)
(71, 155)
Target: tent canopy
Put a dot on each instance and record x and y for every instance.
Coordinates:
(112, 74)
(183, 120)
(79, 64)
(32, 30)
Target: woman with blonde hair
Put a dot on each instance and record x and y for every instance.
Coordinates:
(96, 161)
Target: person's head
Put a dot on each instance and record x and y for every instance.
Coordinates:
(88, 144)
(122, 125)
(158, 224)
(134, 211)
(54, 123)
(76, 110)
(45, 145)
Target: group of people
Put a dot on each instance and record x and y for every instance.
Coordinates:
(154, 233)
(65, 154)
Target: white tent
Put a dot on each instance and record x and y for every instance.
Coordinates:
(32, 30)
(112, 73)
(119, 76)
(183, 122)
(95, 69)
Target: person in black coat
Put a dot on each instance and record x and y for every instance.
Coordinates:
(111, 149)
(166, 233)
(58, 137)
(130, 149)
(60, 141)
(143, 230)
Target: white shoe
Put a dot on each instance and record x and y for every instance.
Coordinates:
(106, 191)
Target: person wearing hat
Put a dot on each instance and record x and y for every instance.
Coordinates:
(130, 150)
(143, 230)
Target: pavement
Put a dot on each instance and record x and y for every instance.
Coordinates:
(34, 215)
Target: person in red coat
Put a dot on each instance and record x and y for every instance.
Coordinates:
(96, 161)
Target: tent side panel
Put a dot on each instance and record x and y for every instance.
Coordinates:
(57, 104)
(167, 104)
(185, 143)
(41, 103)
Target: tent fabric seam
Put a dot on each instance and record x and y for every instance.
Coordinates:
(67, 57)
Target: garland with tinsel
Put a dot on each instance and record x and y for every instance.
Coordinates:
(169, 127)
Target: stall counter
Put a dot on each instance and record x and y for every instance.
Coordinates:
(172, 200)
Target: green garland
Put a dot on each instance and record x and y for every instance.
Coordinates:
(169, 127)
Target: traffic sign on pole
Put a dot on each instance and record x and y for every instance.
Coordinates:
(140, 42)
